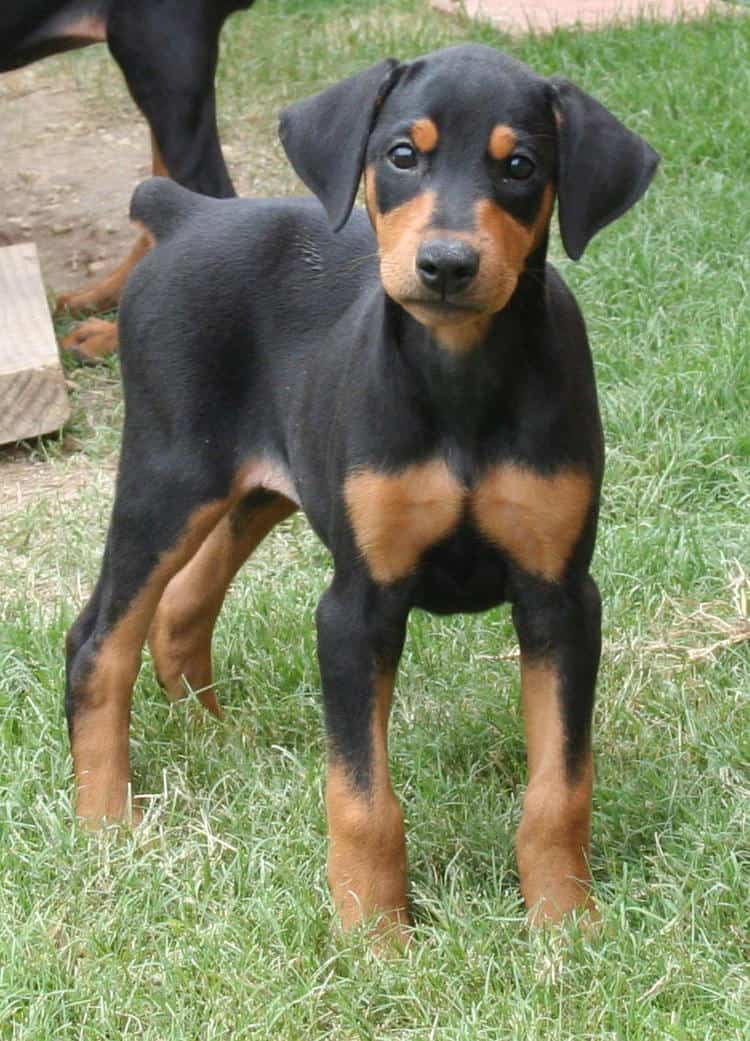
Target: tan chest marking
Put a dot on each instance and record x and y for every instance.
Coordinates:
(535, 519)
(396, 517)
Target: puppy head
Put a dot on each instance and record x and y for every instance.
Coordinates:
(463, 152)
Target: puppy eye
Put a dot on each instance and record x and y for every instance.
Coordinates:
(519, 167)
(403, 157)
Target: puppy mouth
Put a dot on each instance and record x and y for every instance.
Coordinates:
(442, 306)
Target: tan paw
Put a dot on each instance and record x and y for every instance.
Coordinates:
(92, 340)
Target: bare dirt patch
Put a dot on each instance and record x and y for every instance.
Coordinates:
(73, 147)
(70, 164)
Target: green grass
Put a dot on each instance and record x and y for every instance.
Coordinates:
(214, 921)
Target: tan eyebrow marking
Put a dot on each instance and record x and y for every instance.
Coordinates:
(502, 141)
(425, 135)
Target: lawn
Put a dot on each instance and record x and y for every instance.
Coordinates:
(213, 920)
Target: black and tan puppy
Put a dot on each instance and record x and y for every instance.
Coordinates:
(423, 391)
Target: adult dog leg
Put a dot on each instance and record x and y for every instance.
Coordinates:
(174, 86)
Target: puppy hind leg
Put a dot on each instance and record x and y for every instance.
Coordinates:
(144, 550)
(182, 629)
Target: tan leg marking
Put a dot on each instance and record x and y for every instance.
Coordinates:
(158, 166)
(536, 519)
(105, 294)
(96, 338)
(92, 340)
(101, 721)
(396, 517)
(425, 135)
(180, 634)
(367, 845)
(502, 141)
(554, 835)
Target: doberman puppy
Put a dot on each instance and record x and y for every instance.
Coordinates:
(167, 52)
(423, 391)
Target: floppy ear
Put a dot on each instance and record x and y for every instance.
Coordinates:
(325, 136)
(603, 168)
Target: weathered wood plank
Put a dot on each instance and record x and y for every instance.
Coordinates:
(33, 397)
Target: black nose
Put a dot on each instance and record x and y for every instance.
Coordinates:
(447, 266)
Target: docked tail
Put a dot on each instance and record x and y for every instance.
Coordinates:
(161, 205)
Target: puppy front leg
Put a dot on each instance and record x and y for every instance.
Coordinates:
(559, 633)
(360, 636)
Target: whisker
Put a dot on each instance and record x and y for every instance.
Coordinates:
(364, 259)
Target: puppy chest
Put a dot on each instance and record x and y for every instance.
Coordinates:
(534, 519)
(397, 517)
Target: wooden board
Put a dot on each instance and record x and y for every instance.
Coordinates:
(33, 397)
